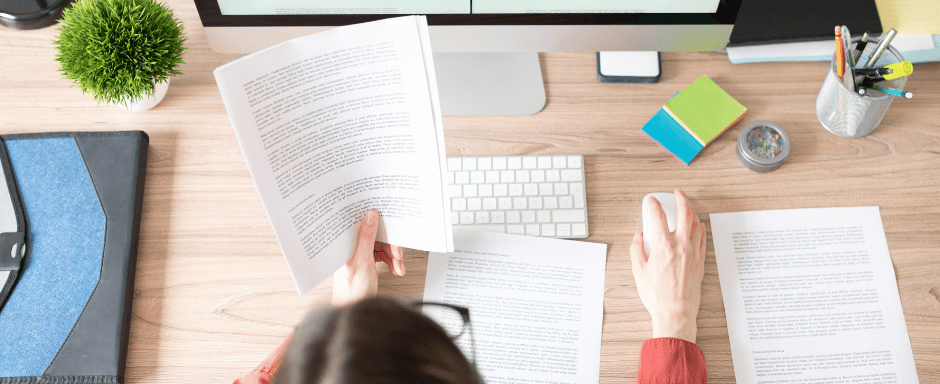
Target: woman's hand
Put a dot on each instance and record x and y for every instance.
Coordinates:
(358, 278)
(669, 280)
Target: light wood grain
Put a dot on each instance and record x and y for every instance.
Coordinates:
(214, 296)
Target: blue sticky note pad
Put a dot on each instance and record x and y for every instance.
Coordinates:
(668, 133)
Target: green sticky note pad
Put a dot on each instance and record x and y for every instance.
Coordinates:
(704, 109)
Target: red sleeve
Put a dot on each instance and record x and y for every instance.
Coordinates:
(666, 360)
(263, 372)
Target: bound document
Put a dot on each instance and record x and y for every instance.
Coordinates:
(337, 123)
(77, 199)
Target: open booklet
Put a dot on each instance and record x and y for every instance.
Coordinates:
(336, 123)
(811, 298)
(536, 304)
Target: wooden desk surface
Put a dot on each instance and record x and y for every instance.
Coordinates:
(213, 295)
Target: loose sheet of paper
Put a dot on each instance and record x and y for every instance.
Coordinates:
(536, 304)
(811, 297)
(338, 122)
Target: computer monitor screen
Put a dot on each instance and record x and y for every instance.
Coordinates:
(484, 50)
(243, 26)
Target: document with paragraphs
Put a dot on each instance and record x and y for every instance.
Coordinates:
(536, 304)
(336, 123)
(811, 297)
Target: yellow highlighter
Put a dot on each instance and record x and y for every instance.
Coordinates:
(900, 69)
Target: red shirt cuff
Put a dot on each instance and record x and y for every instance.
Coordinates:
(666, 360)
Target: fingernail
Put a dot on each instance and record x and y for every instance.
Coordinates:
(371, 217)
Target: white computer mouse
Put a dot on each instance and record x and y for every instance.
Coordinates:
(668, 201)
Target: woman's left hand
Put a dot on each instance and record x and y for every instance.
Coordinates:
(358, 278)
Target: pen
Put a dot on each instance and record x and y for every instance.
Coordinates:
(892, 91)
(847, 44)
(860, 46)
(880, 48)
(840, 53)
(875, 73)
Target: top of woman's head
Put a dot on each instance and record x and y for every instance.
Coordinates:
(376, 340)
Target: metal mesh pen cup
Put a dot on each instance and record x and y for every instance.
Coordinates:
(848, 114)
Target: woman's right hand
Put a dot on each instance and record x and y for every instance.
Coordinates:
(669, 279)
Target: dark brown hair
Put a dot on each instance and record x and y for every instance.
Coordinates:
(377, 340)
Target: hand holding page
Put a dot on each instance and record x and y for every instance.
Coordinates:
(536, 304)
(810, 297)
(334, 124)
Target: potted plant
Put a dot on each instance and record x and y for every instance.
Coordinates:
(121, 51)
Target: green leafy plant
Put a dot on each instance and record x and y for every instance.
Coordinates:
(116, 50)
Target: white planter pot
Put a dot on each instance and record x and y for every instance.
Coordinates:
(144, 104)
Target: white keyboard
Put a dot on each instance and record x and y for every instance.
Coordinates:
(526, 195)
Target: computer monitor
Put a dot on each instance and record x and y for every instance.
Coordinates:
(485, 51)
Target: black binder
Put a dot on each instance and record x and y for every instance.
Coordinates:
(772, 22)
(65, 314)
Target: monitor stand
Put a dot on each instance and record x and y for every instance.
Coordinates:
(475, 84)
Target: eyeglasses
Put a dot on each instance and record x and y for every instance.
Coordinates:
(456, 322)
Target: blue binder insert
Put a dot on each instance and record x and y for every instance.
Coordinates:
(65, 242)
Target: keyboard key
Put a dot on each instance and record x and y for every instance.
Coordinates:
(515, 229)
(548, 230)
(579, 230)
(454, 218)
(519, 203)
(551, 202)
(492, 177)
(469, 190)
(514, 163)
(450, 178)
(528, 216)
(546, 189)
(499, 163)
(553, 175)
(529, 162)
(482, 217)
(530, 189)
(485, 190)
(489, 203)
(571, 175)
(522, 176)
(538, 176)
(574, 161)
(544, 216)
(577, 190)
(532, 230)
(453, 164)
(500, 190)
(504, 203)
(458, 204)
(498, 228)
(566, 202)
(462, 177)
(561, 188)
(484, 163)
(466, 218)
(455, 191)
(498, 217)
(507, 177)
(469, 164)
(535, 203)
(545, 162)
(568, 216)
(513, 217)
(476, 177)
(515, 189)
(564, 230)
(474, 204)
(559, 162)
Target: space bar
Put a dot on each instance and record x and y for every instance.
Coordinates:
(498, 228)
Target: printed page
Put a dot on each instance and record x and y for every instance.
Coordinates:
(536, 304)
(334, 124)
(811, 297)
